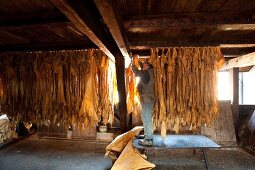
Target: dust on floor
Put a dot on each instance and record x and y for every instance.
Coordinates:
(34, 153)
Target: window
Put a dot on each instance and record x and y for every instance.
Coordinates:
(223, 86)
(246, 87)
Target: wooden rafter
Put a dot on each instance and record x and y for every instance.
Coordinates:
(242, 61)
(75, 14)
(114, 22)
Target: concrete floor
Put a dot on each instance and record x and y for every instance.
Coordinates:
(34, 153)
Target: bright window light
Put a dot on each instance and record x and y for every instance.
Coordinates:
(223, 86)
(247, 86)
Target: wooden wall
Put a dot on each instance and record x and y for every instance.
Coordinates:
(222, 130)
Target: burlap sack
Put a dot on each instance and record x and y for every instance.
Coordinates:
(114, 149)
(131, 159)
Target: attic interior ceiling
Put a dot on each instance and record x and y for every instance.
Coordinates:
(127, 25)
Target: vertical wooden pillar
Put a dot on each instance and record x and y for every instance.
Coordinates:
(234, 83)
(120, 70)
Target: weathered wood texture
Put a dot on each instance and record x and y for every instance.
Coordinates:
(188, 23)
(148, 23)
(242, 61)
(79, 17)
(114, 22)
(222, 130)
(120, 70)
(142, 7)
(37, 25)
(234, 93)
(41, 25)
(60, 131)
(182, 21)
(27, 10)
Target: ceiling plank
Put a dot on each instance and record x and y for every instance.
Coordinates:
(78, 45)
(237, 51)
(76, 15)
(114, 22)
(242, 61)
(40, 18)
(182, 21)
(36, 25)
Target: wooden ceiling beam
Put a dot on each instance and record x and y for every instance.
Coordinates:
(80, 15)
(144, 43)
(30, 26)
(78, 45)
(242, 61)
(237, 51)
(184, 21)
(114, 22)
(237, 45)
(42, 19)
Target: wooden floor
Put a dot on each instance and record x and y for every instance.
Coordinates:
(34, 153)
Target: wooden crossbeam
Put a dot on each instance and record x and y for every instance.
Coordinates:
(242, 61)
(29, 26)
(178, 21)
(114, 22)
(143, 43)
(235, 51)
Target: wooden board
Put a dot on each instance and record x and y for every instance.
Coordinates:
(222, 131)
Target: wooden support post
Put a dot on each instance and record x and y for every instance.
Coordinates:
(84, 16)
(234, 82)
(120, 70)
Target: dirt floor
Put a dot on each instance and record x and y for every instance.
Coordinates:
(34, 153)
